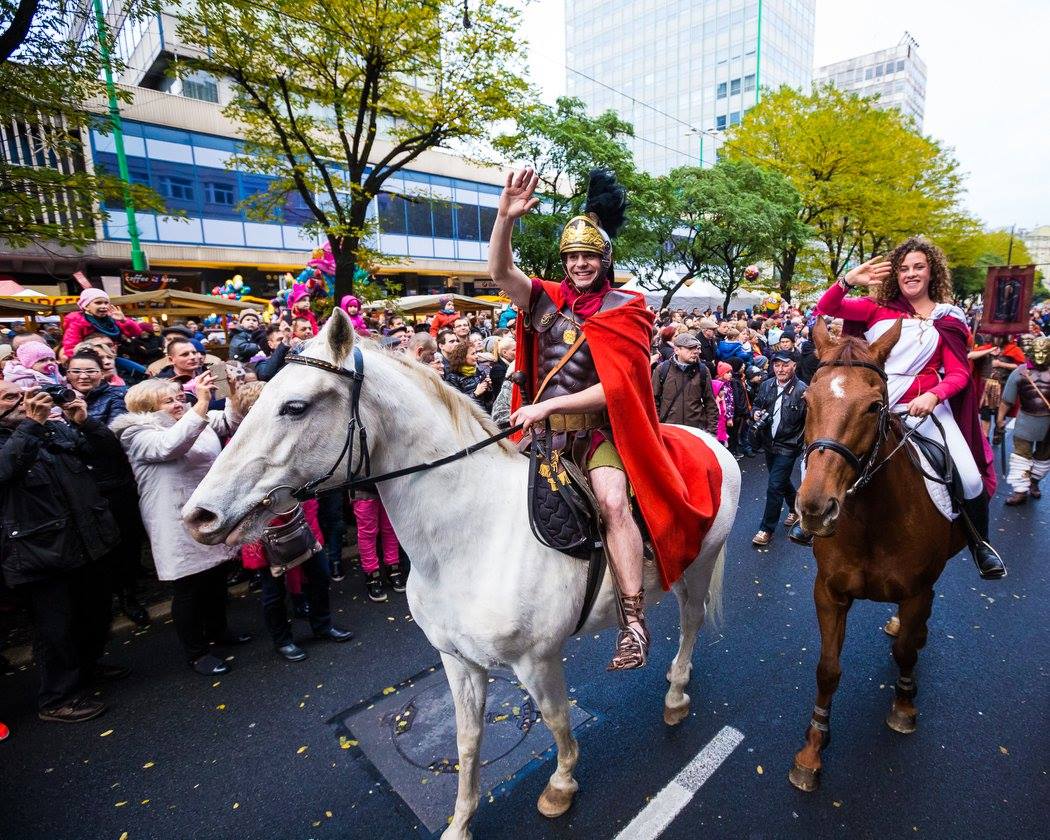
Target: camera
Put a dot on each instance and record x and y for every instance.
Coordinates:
(60, 394)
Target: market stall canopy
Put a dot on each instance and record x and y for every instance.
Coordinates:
(426, 304)
(12, 288)
(701, 294)
(171, 302)
(19, 307)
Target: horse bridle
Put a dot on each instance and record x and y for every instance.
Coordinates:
(361, 476)
(865, 467)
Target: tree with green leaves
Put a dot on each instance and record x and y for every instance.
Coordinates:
(725, 218)
(50, 67)
(866, 177)
(335, 97)
(563, 144)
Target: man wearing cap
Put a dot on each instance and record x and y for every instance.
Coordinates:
(779, 419)
(708, 337)
(682, 387)
(583, 348)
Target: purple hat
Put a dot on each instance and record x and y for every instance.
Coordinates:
(299, 291)
(34, 351)
(88, 295)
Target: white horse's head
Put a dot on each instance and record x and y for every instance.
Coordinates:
(292, 435)
(295, 433)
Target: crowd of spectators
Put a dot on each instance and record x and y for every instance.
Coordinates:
(108, 424)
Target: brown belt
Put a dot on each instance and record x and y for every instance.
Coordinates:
(578, 422)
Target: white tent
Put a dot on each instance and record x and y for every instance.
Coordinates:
(701, 293)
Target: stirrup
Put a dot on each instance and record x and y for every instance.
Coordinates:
(993, 570)
(632, 645)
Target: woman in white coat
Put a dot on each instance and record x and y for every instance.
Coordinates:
(171, 447)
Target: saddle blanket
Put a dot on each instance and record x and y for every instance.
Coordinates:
(939, 494)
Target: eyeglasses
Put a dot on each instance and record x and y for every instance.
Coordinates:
(84, 372)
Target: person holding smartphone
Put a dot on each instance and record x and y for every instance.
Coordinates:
(171, 439)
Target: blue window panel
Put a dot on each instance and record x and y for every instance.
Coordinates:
(391, 210)
(249, 185)
(417, 212)
(133, 129)
(116, 225)
(260, 235)
(222, 232)
(295, 211)
(177, 183)
(439, 180)
(468, 227)
(442, 213)
(734, 118)
(104, 143)
(488, 188)
(416, 177)
(186, 230)
(488, 219)
(170, 135)
(210, 141)
(219, 193)
(734, 87)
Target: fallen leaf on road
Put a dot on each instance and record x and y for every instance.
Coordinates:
(236, 805)
(328, 814)
(123, 836)
(221, 707)
(345, 743)
(147, 765)
(837, 804)
(389, 690)
(759, 770)
(121, 804)
(1004, 751)
(106, 733)
(300, 751)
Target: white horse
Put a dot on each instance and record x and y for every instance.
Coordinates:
(482, 588)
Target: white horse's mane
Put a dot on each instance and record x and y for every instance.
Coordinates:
(466, 415)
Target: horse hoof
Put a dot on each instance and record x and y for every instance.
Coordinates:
(901, 722)
(892, 627)
(674, 715)
(554, 802)
(804, 778)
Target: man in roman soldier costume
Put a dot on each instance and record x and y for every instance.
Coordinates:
(1030, 386)
(584, 349)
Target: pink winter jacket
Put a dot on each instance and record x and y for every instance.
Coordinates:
(75, 328)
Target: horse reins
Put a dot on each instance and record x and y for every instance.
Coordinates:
(355, 428)
(867, 467)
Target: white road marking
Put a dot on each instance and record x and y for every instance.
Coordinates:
(836, 387)
(664, 807)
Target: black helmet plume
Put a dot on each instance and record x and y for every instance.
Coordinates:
(607, 200)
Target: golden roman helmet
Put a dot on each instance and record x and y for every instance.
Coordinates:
(583, 234)
(1037, 349)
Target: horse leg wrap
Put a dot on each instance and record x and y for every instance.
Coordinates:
(906, 688)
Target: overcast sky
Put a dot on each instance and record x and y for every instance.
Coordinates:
(987, 94)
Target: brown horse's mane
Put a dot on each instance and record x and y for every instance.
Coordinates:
(849, 348)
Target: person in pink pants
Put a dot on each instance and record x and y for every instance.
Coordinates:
(373, 524)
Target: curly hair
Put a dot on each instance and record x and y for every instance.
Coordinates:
(940, 290)
(457, 356)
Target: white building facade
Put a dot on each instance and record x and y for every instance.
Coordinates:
(897, 75)
(683, 71)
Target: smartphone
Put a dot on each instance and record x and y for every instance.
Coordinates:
(222, 384)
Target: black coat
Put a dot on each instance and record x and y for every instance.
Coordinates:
(792, 425)
(54, 516)
(245, 344)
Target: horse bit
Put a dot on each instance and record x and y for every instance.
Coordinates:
(867, 467)
(356, 429)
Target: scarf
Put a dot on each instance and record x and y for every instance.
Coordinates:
(107, 326)
(966, 404)
(468, 370)
(584, 304)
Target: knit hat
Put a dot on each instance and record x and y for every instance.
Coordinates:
(244, 313)
(298, 293)
(34, 351)
(723, 368)
(88, 295)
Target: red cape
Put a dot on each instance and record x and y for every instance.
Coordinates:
(676, 478)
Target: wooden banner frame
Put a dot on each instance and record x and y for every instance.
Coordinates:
(1007, 299)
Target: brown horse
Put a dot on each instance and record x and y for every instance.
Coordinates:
(879, 536)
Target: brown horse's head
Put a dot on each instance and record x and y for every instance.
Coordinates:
(843, 404)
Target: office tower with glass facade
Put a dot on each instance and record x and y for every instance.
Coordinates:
(683, 71)
(897, 75)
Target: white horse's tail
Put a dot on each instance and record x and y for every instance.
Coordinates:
(714, 590)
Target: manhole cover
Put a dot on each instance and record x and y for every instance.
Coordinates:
(409, 734)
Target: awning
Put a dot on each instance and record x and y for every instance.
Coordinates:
(171, 302)
(16, 307)
(425, 304)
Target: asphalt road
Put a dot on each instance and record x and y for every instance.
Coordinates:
(255, 754)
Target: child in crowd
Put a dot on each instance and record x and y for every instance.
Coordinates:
(724, 400)
(373, 523)
(36, 366)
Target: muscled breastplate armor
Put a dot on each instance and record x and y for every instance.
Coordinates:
(555, 334)
(1034, 393)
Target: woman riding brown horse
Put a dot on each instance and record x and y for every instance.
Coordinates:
(882, 537)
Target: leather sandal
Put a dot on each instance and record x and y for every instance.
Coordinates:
(632, 645)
